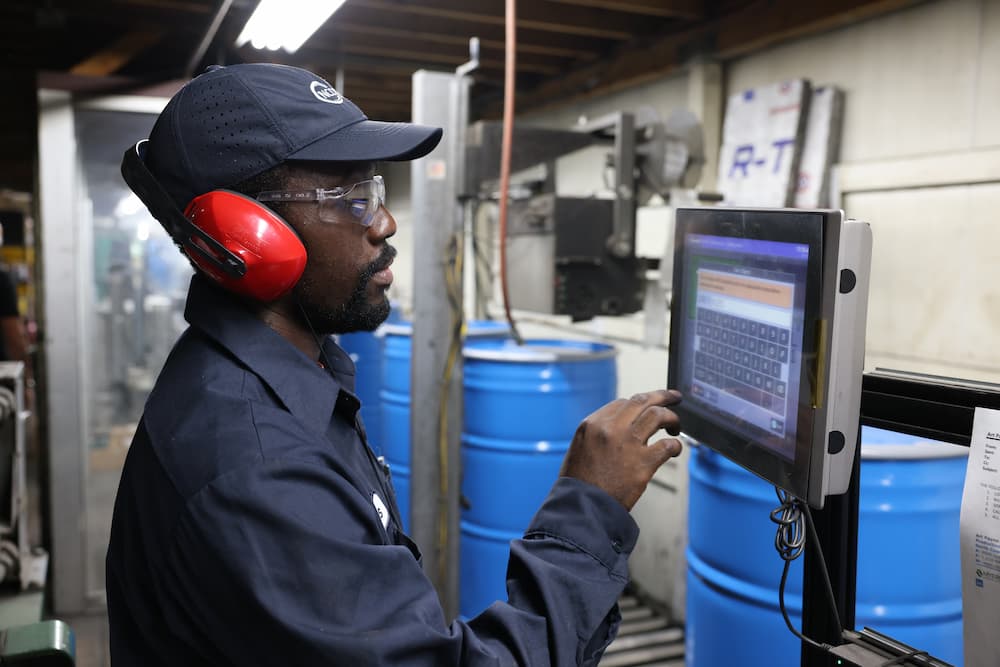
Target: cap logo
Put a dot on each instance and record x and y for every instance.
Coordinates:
(324, 92)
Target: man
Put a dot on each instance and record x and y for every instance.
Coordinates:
(253, 525)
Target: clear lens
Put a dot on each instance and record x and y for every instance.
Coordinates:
(361, 202)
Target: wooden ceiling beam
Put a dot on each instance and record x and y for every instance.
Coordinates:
(410, 47)
(584, 21)
(787, 19)
(117, 54)
(453, 39)
(488, 33)
(421, 58)
(735, 34)
(363, 65)
(681, 9)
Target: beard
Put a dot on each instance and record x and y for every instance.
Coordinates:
(355, 314)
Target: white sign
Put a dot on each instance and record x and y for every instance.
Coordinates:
(980, 543)
(758, 159)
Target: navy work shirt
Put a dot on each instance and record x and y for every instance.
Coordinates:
(253, 526)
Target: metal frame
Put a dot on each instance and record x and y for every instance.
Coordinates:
(934, 407)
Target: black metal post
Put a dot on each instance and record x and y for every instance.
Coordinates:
(837, 528)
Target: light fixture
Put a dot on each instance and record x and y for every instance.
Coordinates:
(285, 24)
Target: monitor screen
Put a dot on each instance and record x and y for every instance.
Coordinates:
(746, 303)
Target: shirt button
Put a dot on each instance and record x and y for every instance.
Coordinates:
(617, 546)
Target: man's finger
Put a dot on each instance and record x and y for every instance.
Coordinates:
(664, 397)
(639, 402)
(652, 419)
(662, 451)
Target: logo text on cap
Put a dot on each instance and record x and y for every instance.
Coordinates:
(324, 92)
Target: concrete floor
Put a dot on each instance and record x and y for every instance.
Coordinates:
(91, 633)
(91, 629)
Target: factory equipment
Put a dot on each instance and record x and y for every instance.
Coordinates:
(576, 255)
(18, 560)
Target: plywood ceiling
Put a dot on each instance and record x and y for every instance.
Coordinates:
(566, 49)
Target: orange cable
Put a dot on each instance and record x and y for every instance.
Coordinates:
(510, 71)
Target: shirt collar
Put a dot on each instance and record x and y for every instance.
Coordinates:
(308, 391)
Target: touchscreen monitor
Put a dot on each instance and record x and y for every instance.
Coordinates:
(754, 295)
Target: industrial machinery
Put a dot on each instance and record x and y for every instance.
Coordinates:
(18, 560)
(576, 255)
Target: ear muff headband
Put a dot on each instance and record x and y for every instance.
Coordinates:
(243, 245)
(181, 230)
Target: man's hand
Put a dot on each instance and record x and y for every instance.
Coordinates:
(609, 448)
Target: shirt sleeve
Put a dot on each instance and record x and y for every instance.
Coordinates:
(280, 564)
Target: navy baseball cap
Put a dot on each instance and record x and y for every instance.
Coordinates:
(231, 123)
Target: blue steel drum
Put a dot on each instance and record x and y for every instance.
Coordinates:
(394, 396)
(522, 405)
(908, 575)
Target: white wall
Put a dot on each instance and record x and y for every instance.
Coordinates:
(922, 94)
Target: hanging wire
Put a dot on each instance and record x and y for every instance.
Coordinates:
(822, 561)
(790, 541)
(453, 268)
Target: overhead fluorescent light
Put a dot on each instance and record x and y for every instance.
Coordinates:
(286, 24)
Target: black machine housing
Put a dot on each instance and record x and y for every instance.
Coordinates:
(559, 261)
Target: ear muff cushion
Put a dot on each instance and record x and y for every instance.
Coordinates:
(270, 248)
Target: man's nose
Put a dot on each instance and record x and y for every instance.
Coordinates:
(383, 225)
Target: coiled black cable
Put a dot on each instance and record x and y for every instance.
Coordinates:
(790, 541)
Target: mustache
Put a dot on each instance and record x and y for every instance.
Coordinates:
(384, 260)
(380, 264)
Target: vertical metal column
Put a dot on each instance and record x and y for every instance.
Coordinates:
(622, 241)
(438, 99)
(706, 101)
(63, 347)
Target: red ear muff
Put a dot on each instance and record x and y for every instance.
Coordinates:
(269, 248)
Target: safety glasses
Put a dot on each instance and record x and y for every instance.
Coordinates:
(358, 202)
